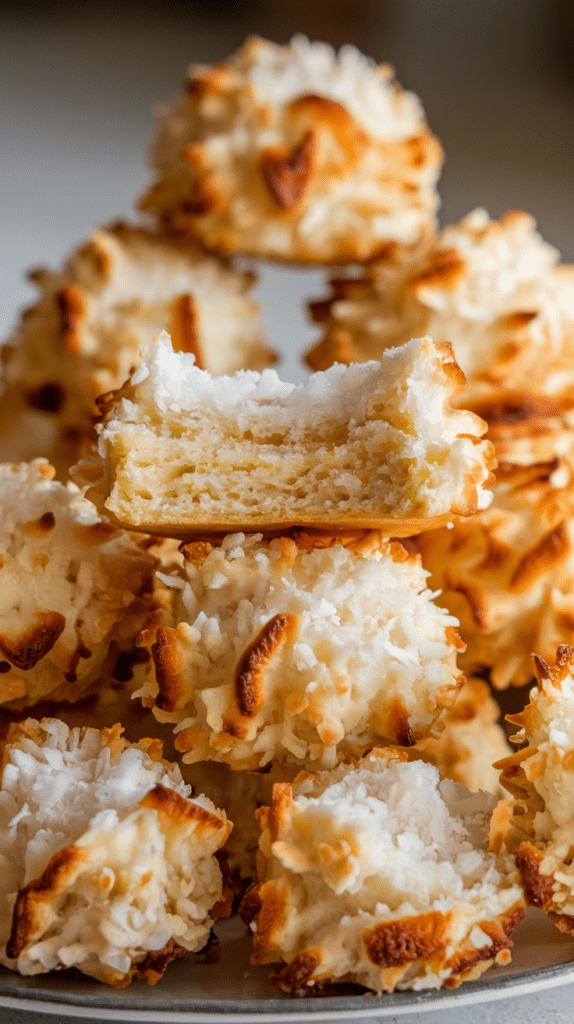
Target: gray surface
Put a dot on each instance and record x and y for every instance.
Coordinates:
(76, 88)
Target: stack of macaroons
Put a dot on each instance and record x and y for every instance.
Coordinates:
(237, 586)
(309, 647)
(305, 647)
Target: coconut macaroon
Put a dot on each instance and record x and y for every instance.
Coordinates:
(508, 575)
(303, 650)
(184, 453)
(471, 740)
(493, 289)
(298, 153)
(540, 778)
(107, 865)
(74, 591)
(379, 874)
(83, 337)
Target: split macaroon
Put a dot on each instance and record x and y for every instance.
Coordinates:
(83, 337)
(74, 591)
(298, 153)
(107, 864)
(373, 446)
(302, 649)
(379, 873)
(540, 777)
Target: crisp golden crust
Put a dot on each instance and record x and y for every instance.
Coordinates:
(508, 575)
(171, 808)
(33, 907)
(538, 888)
(27, 649)
(396, 943)
(282, 682)
(470, 964)
(272, 155)
(540, 779)
(185, 454)
(249, 676)
(323, 905)
(82, 339)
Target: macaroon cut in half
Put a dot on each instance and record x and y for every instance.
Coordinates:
(297, 153)
(107, 864)
(379, 873)
(183, 453)
(302, 649)
(74, 591)
(83, 336)
(540, 777)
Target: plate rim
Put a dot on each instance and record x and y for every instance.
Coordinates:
(201, 1011)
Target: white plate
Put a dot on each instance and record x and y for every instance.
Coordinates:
(193, 991)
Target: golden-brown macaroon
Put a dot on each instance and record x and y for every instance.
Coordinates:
(303, 650)
(298, 153)
(540, 777)
(471, 740)
(74, 590)
(107, 864)
(508, 575)
(492, 288)
(183, 453)
(83, 337)
(379, 873)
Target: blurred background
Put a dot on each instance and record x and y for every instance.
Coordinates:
(78, 83)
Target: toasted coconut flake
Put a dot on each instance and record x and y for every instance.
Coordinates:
(378, 873)
(285, 651)
(182, 453)
(108, 866)
(297, 153)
